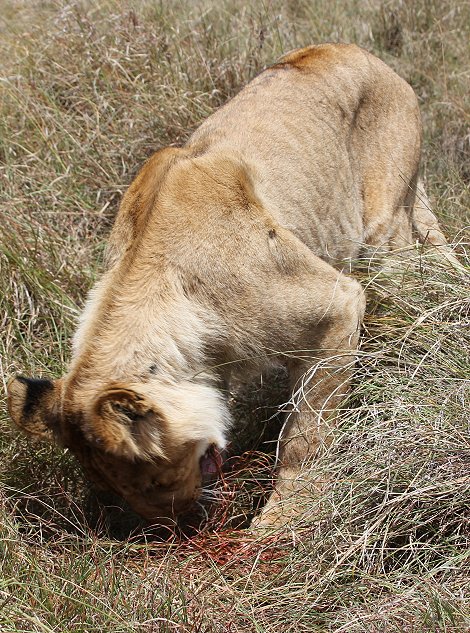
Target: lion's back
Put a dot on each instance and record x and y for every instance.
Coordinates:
(302, 124)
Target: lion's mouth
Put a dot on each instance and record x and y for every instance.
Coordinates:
(211, 463)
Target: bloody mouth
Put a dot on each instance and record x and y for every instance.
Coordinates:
(211, 463)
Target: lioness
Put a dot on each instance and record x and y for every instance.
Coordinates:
(228, 253)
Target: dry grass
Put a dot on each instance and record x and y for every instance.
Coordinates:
(87, 92)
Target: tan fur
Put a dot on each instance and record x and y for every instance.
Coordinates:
(227, 254)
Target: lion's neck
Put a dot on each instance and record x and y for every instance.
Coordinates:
(141, 335)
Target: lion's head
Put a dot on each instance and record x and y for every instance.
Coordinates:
(135, 439)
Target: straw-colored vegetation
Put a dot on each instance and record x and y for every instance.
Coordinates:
(87, 91)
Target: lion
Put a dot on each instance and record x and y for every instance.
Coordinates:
(231, 254)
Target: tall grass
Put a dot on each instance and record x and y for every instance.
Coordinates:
(87, 91)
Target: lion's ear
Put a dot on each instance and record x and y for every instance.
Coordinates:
(33, 406)
(126, 423)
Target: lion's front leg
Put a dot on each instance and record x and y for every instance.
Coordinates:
(319, 381)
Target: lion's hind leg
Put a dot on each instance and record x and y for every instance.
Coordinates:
(395, 220)
(427, 228)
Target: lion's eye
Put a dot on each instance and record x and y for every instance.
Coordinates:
(151, 487)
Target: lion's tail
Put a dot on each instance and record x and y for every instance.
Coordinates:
(428, 230)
